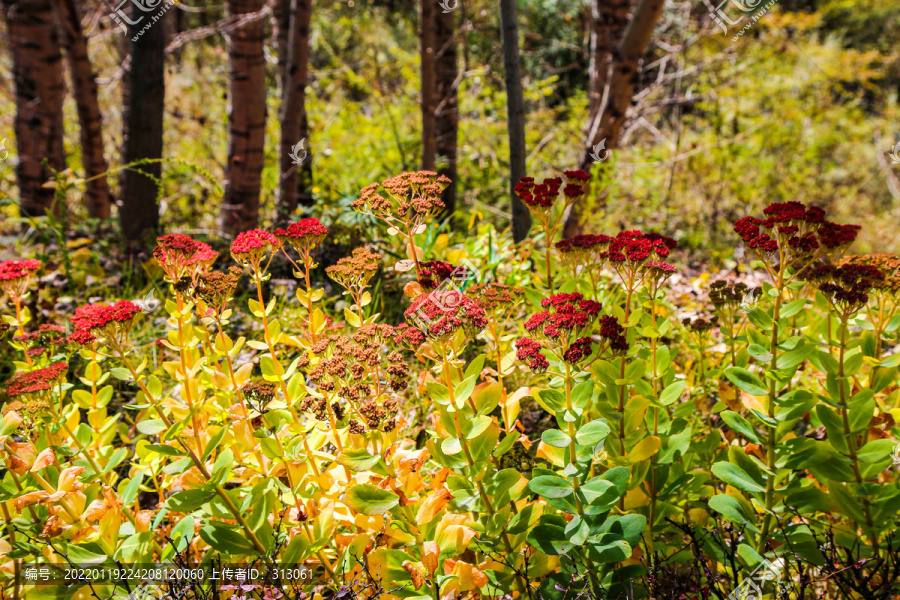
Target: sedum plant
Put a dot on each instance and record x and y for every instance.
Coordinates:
(675, 451)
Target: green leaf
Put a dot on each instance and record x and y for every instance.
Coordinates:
(358, 459)
(746, 381)
(163, 449)
(555, 438)
(438, 392)
(731, 508)
(151, 427)
(225, 539)
(736, 476)
(189, 500)
(877, 450)
(370, 500)
(550, 536)
(551, 486)
(672, 393)
(592, 433)
(121, 373)
(741, 425)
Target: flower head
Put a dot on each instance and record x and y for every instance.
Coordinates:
(15, 276)
(305, 235)
(355, 271)
(443, 312)
(846, 286)
(112, 321)
(37, 381)
(249, 248)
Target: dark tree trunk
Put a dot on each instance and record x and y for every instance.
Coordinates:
(144, 101)
(90, 119)
(610, 116)
(515, 115)
(295, 183)
(427, 35)
(40, 89)
(447, 111)
(247, 121)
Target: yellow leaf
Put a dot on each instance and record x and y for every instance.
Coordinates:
(646, 448)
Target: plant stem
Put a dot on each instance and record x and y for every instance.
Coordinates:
(771, 440)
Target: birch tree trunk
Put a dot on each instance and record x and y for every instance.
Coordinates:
(246, 120)
(515, 115)
(610, 116)
(90, 119)
(40, 89)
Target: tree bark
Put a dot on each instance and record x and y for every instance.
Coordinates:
(247, 121)
(427, 38)
(144, 100)
(447, 110)
(40, 89)
(610, 116)
(515, 115)
(609, 19)
(90, 119)
(295, 182)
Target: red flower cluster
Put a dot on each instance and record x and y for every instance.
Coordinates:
(793, 225)
(441, 313)
(434, 271)
(14, 269)
(408, 336)
(529, 352)
(613, 333)
(107, 320)
(540, 197)
(304, 235)
(35, 381)
(635, 247)
(252, 241)
(178, 254)
(15, 275)
(581, 243)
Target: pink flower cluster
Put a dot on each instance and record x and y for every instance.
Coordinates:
(106, 320)
(35, 381)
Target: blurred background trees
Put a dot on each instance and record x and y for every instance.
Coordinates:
(197, 121)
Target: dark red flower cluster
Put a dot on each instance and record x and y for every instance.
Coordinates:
(801, 228)
(633, 247)
(584, 242)
(670, 243)
(529, 352)
(580, 348)
(541, 196)
(443, 312)
(847, 286)
(568, 313)
(35, 381)
(434, 271)
(613, 334)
